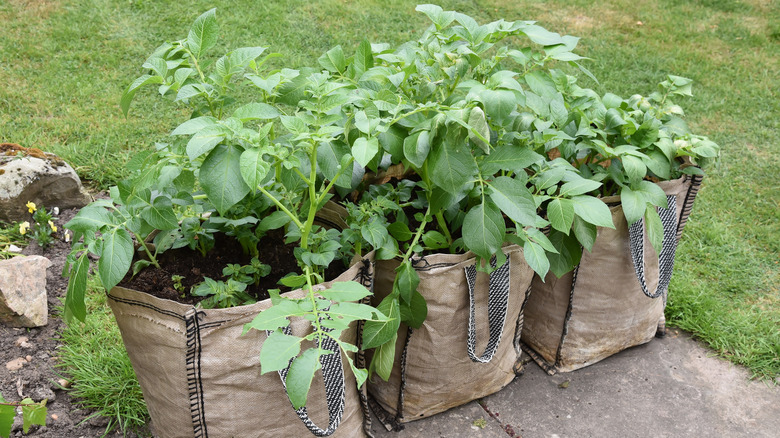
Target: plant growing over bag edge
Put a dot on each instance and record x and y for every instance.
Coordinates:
(241, 169)
(448, 111)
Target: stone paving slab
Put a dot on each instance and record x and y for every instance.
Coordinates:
(671, 387)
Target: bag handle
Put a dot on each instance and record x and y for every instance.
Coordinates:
(498, 297)
(668, 248)
(335, 390)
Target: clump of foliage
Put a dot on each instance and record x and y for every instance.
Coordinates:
(32, 413)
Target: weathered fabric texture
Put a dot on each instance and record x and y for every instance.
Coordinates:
(201, 377)
(602, 307)
(433, 370)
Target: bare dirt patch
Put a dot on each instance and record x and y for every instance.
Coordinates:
(28, 360)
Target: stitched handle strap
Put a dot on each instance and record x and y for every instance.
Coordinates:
(498, 297)
(335, 391)
(668, 248)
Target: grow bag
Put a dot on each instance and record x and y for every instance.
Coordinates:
(467, 348)
(201, 377)
(615, 298)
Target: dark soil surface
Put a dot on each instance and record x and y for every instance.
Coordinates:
(38, 378)
(194, 267)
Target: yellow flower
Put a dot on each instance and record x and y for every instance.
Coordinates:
(31, 207)
(23, 227)
(53, 227)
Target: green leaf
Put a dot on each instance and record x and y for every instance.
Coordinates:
(77, 285)
(542, 36)
(514, 199)
(480, 131)
(549, 177)
(127, 96)
(203, 33)
(483, 230)
(593, 210)
(634, 167)
(655, 229)
(345, 291)
(392, 141)
(160, 214)
(439, 17)
(634, 204)
(374, 233)
(363, 59)
(334, 60)
(382, 362)
(353, 311)
(256, 111)
(569, 253)
(653, 193)
(579, 186)
(362, 123)
(613, 119)
(508, 157)
(560, 212)
(7, 414)
(452, 166)
(536, 258)
(584, 232)
(406, 281)
(89, 218)
(204, 141)
(415, 311)
(277, 351)
(416, 148)
(275, 316)
(253, 167)
(192, 126)
(116, 256)
(400, 231)
(300, 376)
(33, 414)
(364, 150)
(376, 333)
(434, 240)
(220, 176)
(274, 221)
(499, 104)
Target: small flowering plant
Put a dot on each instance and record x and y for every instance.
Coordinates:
(42, 230)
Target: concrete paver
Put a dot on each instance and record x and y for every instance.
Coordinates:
(671, 387)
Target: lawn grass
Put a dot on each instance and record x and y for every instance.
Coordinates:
(65, 63)
(93, 357)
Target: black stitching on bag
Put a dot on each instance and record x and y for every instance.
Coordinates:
(399, 411)
(145, 305)
(194, 378)
(567, 318)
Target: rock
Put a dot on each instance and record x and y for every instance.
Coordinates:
(16, 364)
(23, 300)
(28, 174)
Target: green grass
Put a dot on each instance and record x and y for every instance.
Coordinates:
(93, 357)
(65, 63)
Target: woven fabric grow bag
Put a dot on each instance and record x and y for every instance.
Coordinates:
(201, 377)
(615, 298)
(467, 348)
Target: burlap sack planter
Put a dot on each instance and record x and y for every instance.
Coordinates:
(201, 378)
(615, 298)
(441, 365)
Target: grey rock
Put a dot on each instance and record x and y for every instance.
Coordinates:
(49, 182)
(23, 300)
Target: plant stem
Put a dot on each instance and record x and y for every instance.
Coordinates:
(417, 235)
(281, 206)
